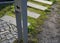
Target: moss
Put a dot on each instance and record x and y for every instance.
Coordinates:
(33, 41)
(29, 41)
(16, 41)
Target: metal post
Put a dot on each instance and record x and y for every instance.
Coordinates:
(24, 18)
(19, 27)
(21, 14)
(18, 19)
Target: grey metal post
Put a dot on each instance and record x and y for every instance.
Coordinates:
(21, 14)
(19, 27)
(24, 18)
(18, 19)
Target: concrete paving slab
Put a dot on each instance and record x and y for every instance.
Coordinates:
(10, 19)
(34, 5)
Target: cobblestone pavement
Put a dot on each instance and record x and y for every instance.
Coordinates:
(8, 32)
(51, 28)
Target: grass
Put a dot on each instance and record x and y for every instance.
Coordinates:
(6, 10)
(31, 20)
(2, 9)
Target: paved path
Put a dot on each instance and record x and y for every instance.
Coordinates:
(44, 1)
(51, 29)
(8, 32)
(33, 14)
(10, 19)
(34, 5)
